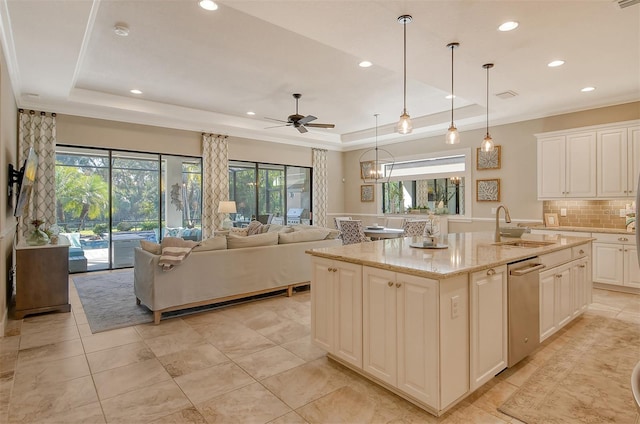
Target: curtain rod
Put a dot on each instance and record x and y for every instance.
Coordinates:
(33, 112)
(216, 135)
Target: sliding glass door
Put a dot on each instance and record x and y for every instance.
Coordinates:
(108, 201)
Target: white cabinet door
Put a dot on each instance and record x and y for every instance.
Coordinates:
(581, 165)
(547, 304)
(551, 167)
(612, 163)
(488, 318)
(564, 296)
(379, 323)
(347, 313)
(579, 276)
(631, 272)
(417, 330)
(322, 303)
(608, 263)
(633, 155)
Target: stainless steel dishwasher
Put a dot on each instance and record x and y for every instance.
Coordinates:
(524, 308)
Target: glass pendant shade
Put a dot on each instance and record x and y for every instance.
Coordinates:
(404, 124)
(487, 144)
(453, 137)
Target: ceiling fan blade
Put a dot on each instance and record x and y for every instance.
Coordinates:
(274, 119)
(321, 125)
(278, 126)
(301, 128)
(306, 119)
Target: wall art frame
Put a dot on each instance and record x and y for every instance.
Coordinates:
(367, 193)
(489, 160)
(551, 220)
(488, 190)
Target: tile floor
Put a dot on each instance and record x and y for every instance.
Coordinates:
(249, 363)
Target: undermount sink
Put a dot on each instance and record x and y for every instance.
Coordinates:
(525, 243)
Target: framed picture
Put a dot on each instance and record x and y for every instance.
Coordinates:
(367, 193)
(551, 220)
(366, 169)
(488, 190)
(488, 160)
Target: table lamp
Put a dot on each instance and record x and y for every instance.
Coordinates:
(227, 207)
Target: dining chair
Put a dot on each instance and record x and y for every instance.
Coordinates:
(352, 232)
(414, 228)
(394, 222)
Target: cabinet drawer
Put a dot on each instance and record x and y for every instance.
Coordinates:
(580, 251)
(556, 258)
(615, 238)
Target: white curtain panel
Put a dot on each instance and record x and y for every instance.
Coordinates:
(320, 195)
(215, 161)
(37, 130)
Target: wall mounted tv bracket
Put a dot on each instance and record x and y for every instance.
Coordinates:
(14, 177)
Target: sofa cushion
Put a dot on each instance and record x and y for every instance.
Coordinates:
(277, 228)
(254, 227)
(238, 231)
(213, 243)
(300, 236)
(332, 233)
(178, 242)
(238, 242)
(151, 247)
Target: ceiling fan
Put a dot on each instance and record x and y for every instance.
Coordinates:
(298, 121)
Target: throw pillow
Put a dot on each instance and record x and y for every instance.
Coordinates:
(177, 242)
(213, 243)
(332, 232)
(302, 236)
(238, 242)
(254, 227)
(151, 247)
(238, 231)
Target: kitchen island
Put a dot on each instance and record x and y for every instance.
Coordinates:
(431, 325)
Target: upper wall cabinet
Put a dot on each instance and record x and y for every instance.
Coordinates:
(566, 166)
(587, 163)
(618, 162)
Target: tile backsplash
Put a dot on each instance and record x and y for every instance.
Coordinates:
(588, 213)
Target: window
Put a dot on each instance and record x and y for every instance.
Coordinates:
(433, 184)
(262, 191)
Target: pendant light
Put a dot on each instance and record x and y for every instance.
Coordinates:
(376, 164)
(487, 143)
(404, 124)
(453, 137)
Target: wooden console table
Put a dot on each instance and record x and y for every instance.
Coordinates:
(42, 280)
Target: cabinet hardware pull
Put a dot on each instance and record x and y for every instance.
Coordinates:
(623, 239)
(582, 266)
(581, 252)
(390, 283)
(558, 275)
(619, 250)
(330, 269)
(491, 271)
(398, 285)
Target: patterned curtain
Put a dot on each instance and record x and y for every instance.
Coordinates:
(320, 196)
(38, 130)
(215, 160)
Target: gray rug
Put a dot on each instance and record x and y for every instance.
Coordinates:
(109, 302)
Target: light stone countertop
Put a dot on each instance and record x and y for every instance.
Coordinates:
(467, 252)
(586, 229)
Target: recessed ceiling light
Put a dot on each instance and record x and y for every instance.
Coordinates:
(135, 91)
(508, 26)
(587, 89)
(450, 96)
(365, 64)
(251, 113)
(555, 63)
(208, 5)
(121, 29)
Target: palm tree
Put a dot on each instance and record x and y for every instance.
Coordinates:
(83, 196)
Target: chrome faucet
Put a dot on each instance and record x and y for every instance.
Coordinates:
(507, 218)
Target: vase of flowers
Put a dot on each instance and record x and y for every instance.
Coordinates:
(37, 237)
